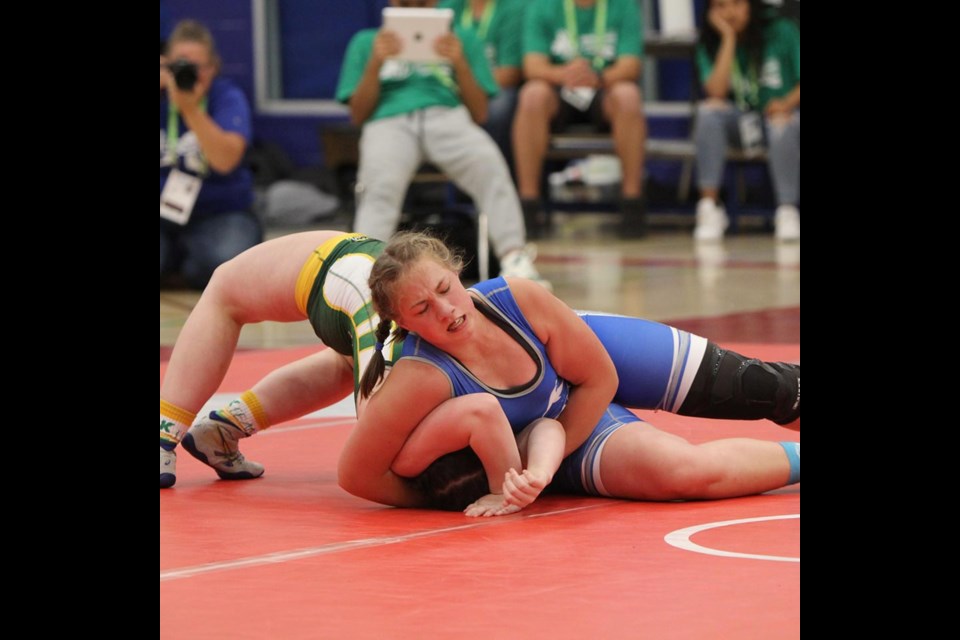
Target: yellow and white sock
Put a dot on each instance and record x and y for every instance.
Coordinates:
(174, 423)
(246, 413)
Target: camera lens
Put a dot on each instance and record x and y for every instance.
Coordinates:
(185, 74)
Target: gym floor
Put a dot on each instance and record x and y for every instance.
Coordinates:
(291, 555)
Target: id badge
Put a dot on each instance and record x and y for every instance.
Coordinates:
(178, 196)
(579, 98)
(751, 132)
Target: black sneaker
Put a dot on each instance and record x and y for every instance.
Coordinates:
(633, 217)
(535, 218)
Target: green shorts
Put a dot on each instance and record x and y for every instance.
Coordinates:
(334, 293)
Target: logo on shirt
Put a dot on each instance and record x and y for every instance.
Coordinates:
(770, 75)
(188, 148)
(590, 47)
(397, 70)
(491, 52)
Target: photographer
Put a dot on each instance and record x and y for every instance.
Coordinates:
(205, 192)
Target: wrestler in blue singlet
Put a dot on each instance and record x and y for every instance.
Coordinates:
(656, 365)
(544, 396)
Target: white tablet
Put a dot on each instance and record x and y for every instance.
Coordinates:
(417, 29)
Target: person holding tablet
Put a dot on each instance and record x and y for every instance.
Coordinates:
(499, 25)
(413, 112)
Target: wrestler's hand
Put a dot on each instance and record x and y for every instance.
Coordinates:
(491, 504)
(520, 490)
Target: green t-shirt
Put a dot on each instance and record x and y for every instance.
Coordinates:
(777, 76)
(408, 86)
(502, 36)
(545, 31)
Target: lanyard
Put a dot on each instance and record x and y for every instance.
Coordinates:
(745, 89)
(173, 133)
(443, 78)
(466, 18)
(599, 30)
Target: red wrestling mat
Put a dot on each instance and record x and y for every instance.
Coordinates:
(292, 556)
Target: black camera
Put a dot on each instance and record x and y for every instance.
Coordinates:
(184, 74)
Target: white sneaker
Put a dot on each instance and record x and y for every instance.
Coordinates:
(787, 223)
(712, 221)
(519, 264)
(168, 468)
(213, 441)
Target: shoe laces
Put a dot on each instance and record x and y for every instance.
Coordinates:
(231, 454)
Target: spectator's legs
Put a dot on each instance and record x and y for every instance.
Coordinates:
(623, 108)
(784, 135)
(470, 158)
(390, 153)
(536, 107)
(499, 123)
(210, 241)
(716, 125)
(714, 121)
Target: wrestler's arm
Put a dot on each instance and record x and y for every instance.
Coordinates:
(576, 354)
(411, 391)
(475, 420)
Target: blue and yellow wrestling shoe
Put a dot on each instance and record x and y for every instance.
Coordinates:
(168, 468)
(213, 441)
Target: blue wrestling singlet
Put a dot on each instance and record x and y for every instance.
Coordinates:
(544, 396)
(656, 365)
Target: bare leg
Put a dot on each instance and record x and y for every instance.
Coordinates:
(641, 462)
(622, 107)
(538, 104)
(305, 386)
(257, 285)
(287, 393)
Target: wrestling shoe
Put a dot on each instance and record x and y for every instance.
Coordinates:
(168, 468)
(213, 441)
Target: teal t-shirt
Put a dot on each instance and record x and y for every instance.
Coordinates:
(502, 35)
(545, 32)
(778, 74)
(408, 86)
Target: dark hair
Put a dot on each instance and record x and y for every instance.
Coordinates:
(453, 481)
(753, 36)
(402, 251)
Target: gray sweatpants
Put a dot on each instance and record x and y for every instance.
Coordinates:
(717, 128)
(392, 149)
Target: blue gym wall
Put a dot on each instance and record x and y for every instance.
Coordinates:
(330, 23)
(316, 35)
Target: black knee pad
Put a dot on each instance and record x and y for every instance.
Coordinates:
(733, 387)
